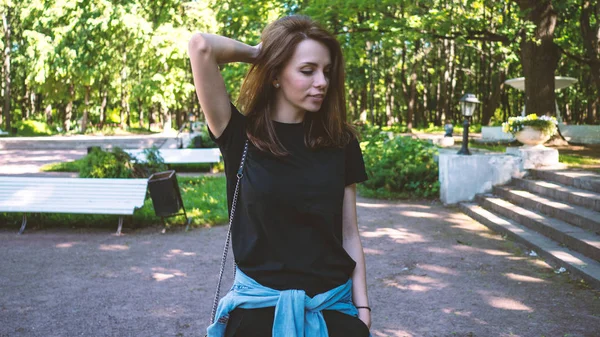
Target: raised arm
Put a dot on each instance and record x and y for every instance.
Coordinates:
(206, 52)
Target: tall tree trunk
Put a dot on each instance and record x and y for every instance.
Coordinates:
(48, 113)
(33, 98)
(86, 108)
(69, 108)
(103, 105)
(539, 61)
(452, 82)
(371, 83)
(591, 44)
(25, 103)
(444, 76)
(6, 16)
(124, 103)
(141, 112)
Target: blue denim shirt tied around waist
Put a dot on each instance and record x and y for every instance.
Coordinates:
(296, 314)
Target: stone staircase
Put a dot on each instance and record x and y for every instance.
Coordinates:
(556, 213)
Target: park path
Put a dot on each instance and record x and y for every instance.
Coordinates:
(432, 271)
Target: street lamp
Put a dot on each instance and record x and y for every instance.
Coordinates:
(468, 104)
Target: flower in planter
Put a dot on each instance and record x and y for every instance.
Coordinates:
(547, 125)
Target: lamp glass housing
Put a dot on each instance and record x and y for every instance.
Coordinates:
(468, 104)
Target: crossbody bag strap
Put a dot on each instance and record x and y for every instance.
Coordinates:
(239, 175)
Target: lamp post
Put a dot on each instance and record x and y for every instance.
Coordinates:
(468, 104)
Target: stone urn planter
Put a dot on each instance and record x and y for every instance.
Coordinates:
(530, 136)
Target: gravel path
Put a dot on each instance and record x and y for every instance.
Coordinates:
(432, 271)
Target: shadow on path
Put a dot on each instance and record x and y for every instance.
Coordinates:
(432, 271)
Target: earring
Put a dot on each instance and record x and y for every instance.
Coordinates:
(277, 85)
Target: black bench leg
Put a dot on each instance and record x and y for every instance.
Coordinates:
(23, 224)
(120, 226)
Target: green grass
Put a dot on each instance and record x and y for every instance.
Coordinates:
(204, 198)
(578, 160)
(458, 129)
(67, 166)
(75, 166)
(494, 147)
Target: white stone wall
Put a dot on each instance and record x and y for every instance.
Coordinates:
(462, 177)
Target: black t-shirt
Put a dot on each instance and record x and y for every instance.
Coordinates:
(287, 230)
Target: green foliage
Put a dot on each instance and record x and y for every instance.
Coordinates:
(153, 163)
(107, 164)
(68, 166)
(203, 140)
(128, 59)
(548, 125)
(400, 167)
(204, 198)
(119, 164)
(30, 128)
(458, 129)
(577, 160)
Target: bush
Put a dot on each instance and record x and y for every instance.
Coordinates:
(119, 164)
(203, 140)
(400, 167)
(29, 128)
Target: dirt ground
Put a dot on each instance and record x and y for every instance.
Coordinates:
(432, 271)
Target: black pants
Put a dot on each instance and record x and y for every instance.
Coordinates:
(259, 323)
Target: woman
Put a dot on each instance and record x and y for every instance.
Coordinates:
(295, 234)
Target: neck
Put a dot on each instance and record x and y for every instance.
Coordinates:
(283, 112)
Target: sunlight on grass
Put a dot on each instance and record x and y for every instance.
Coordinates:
(68, 166)
(578, 160)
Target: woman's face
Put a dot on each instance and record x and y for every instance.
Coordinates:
(304, 79)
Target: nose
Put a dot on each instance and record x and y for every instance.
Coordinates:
(321, 80)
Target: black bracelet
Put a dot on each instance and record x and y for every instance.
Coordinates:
(368, 308)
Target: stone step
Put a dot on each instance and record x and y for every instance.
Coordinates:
(577, 264)
(575, 215)
(572, 195)
(585, 180)
(575, 238)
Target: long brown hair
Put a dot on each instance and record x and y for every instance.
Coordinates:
(326, 127)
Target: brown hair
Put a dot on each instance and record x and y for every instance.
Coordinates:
(326, 127)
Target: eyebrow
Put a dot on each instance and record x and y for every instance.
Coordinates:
(314, 64)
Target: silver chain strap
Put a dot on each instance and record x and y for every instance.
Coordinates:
(228, 240)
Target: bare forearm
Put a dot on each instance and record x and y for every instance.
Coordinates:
(354, 248)
(222, 49)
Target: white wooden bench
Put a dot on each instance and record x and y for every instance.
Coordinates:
(182, 156)
(71, 195)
